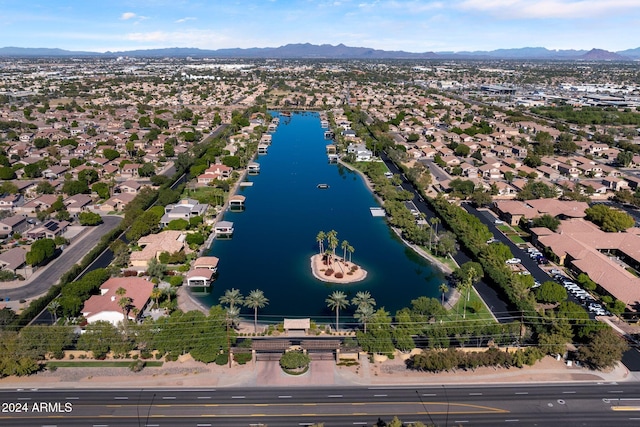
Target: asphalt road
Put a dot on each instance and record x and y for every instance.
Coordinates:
(57, 267)
(545, 405)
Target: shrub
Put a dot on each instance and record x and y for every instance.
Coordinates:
(328, 272)
(145, 354)
(130, 273)
(242, 358)
(294, 360)
(338, 275)
(137, 366)
(222, 359)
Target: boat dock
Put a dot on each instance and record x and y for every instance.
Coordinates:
(376, 211)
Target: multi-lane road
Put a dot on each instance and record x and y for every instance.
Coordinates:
(593, 404)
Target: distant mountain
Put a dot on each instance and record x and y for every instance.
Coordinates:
(602, 55)
(41, 51)
(326, 51)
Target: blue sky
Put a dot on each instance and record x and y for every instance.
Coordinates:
(411, 25)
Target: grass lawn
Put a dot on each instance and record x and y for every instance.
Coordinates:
(516, 239)
(99, 364)
(483, 315)
(206, 195)
(503, 228)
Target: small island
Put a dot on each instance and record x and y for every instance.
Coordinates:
(329, 267)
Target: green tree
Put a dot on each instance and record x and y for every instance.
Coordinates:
(337, 301)
(551, 292)
(41, 250)
(603, 350)
(102, 189)
(7, 173)
(255, 300)
(110, 154)
(548, 221)
(89, 218)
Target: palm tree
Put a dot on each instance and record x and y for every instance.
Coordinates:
(170, 292)
(336, 301)
(232, 297)
(344, 246)
(255, 300)
(332, 241)
(156, 293)
(443, 288)
(472, 276)
(434, 221)
(351, 250)
(320, 239)
(364, 314)
(53, 308)
(362, 299)
(125, 304)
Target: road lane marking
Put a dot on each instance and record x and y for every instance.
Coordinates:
(333, 396)
(511, 421)
(460, 422)
(72, 398)
(237, 397)
(475, 394)
(616, 391)
(24, 398)
(379, 395)
(121, 398)
(284, 397)
(430, 394)
(168, 397)
(568, 392)
(204, 397)
(522, 392)
(360, 423)
(203, 425)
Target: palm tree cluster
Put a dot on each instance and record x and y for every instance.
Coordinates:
(363, 301)
(233, 299)
(331, 238)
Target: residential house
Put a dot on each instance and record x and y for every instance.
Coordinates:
(9, 202)
(184, 209)
(107, 306)
(50, 229)
(41, 203)
(130, 187)
(13, 259)
(614, 183)
(78, 203)
(117, 202)
(13, 224)
(170, 241)
(360, 151)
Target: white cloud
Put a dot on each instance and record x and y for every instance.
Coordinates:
(536, 9)
(183, 20)
(128, 15)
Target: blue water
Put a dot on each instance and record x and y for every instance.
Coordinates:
(276, 234)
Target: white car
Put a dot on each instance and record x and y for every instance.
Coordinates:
(498, 221)
(513, 261)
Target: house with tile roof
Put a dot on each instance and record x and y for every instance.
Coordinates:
(106, 306)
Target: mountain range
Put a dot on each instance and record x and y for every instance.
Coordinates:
(326, 51)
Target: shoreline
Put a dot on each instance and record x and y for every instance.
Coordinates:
(434, 261)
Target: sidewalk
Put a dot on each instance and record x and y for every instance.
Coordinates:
(188, 373)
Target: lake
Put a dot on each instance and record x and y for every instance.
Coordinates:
(276, 233)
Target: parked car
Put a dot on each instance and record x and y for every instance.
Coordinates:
(513, 261)
(498, 221)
